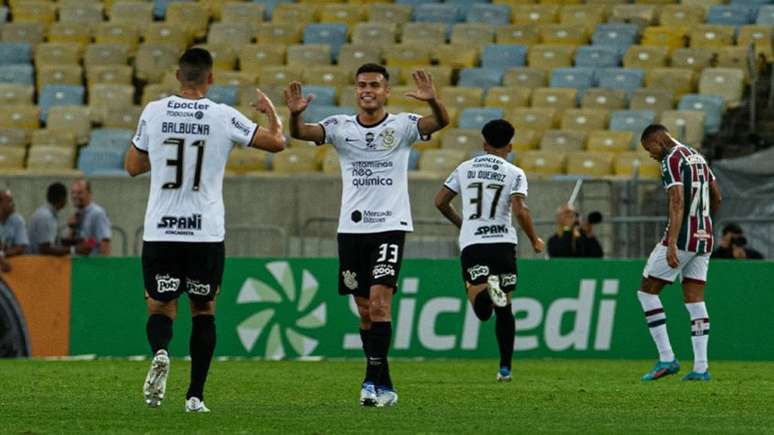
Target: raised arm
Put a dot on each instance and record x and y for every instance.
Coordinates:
(675, 222)
(270, 138)
(297, 103)
(520, 210)
(136, 162)
(426, 92)
(443, 203)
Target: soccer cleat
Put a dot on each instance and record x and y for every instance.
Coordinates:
(499, 299)
(696, 376)
(156, 381)
(195, 405)
(662, 369)
(368, 394)
(386, 397)
(504, 375)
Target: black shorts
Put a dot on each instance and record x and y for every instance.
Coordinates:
(484, 259)
(171, 268)
(369, 259)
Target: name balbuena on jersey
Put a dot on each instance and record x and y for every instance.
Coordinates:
(374, 171)
(188, 143)
(485, 185)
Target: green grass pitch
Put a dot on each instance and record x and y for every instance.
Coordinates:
(451, 396)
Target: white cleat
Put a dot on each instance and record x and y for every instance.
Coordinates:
(386, 397)
(499, 298)
(156, 381)
(195, 405)
(368, 394)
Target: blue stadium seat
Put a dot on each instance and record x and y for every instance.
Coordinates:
(160, 7)
(504, 56)
(59, 95)
(712, 106)
(496, 15)
(577, 78)
(730, 15)
(320, 112)
(110, 138)
(18, 74)
(464, 6)
(437, 13)
(752, 3)
(334, 35)
(597, 56)
(476, 117)
(323, 95)
(766, 16)
(96, 160)
(225, 94)
(415, 3)
(618, 36)
(626, 79)
(15, 53)
(632, 120)
(271, 4)
(480, 77)
(3, 14)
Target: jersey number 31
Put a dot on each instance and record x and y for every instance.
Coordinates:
(178, 162)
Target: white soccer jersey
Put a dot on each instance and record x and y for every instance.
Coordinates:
(374, 171)
(486, 184)
(188, 142)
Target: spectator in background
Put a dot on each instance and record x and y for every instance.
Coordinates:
(90, 231)
(573, 238)
(733, 245)
(44, 224)
(13, 233)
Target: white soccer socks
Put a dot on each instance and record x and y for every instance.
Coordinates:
(699, 334)
(654, 315)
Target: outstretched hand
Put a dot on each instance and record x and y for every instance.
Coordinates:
(425, 90)
(294, 97)
(263, 103)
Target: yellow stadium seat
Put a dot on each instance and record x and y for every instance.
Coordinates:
(328, 75)
(136, 13)
(233, 34)
(295, 13)
(603, 98)
(656, 100)
(473, 34)
(351, 56)
(462, 97)
(535, 118)
(569, 34)
(526, 77)
(702, 4)
(53, 137)
(240, 13)
(534, 14)
(727, 83)
(609, 141)
(247, 96)
(279, 75)
(560, 2)
(254, 57)
(46, 158)
(104, 96)
(342, 13)
(14, 93)
(106, 54)
(109, 74)
(279, 33)
(71, 118)
(12, 157)
(507, 97)
(154, 60)
(398, 98)
(735, 57)
(165, 33)
(526, 139)
(59, 75)
(557, 98)
(224, 58)
(117, 33)
(242, 160)
(642, 15)
(427, 34)
(681, 15)
(542, 163)
(656, 2)
(457, 56)
(309, 54)
(373, 34)
(347, 96)
(85, 15)
(13, 138)
(58, 53)
(124, 117)
(42, 12)
(693, 58)
(193, 17)
(528, 34)
(461, 139)
(712, 36)
(670, 37)
(407, 55)
(628, 163)
(590, 164)
(156, 91)
(236, 78)
(389, 13)
(442, 75)
(70, 32)
(687, 126)
(646, 56)
(550, 56)
(440, 161)
(30, 33)
(585, 119)
(330, 164)
(563, 140)
(761, 36)
(296, 160)
(679, 81)
(584, 15)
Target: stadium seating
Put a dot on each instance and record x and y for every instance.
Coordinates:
(597, 56)
(542, 162)
(712, 106)
(686, 126)
(13, 53)
(92, 161)
(53, 137)
(579, 79)
(628, 163)
(14, 93)
(590, 164)
(59, 95)
(624, 79)
(475, 118)
(504, 56)
(440, 161)
(585, 119)
(494, 15)
(246, 160)
(656, 100)
(296, 160)
(563, 140)
(73, 118)
(13, 138)
(12, 158)
(612, 141)
(480, 77)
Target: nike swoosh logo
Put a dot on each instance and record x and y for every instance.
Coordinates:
(350, 140)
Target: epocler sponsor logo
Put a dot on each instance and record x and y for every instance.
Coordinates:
(187, 105)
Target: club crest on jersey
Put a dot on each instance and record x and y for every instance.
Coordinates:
(165, 283)
(369, 138)
(350, 279)
(478, 271)
(388, 137)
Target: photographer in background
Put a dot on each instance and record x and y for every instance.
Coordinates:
(574, 238)
(733, 245)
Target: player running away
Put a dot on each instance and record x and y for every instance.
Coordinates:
(685, 249)
(491, 190)
(373, 148)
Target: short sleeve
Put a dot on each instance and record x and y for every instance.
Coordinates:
(140, 139)
(519, 186)
(453, 181)
(331, 130)
(711, 174)
(670, 171)
(411, 121)
(20, 237)
(240, 129)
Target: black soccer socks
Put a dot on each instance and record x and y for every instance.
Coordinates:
(379, 338)
(482, 306)
(384, 378)
(202, 347)
(159, 331)
(505, 330)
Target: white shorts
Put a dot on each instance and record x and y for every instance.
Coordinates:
(691, 266)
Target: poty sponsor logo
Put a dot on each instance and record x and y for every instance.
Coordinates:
(197, 288)
(508, 279)
(165, 283)
(478, 271)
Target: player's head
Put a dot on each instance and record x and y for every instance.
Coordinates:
(195, 68)
(656, 141)
(80, 191)
(372, 86)
(497, 135)
(7, 206)
(56, 195)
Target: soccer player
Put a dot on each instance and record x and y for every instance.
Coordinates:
(184, 141)
(373, 148)
(491, 190)
(685, 249)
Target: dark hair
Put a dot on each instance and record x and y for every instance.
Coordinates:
(732, 228)
(652, 129)
(195, 65)
(56, 193)
(498, 133)
(373, 68)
